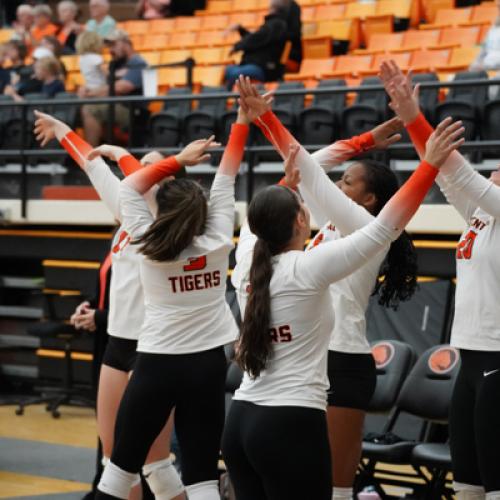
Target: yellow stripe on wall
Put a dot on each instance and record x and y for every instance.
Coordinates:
(78, 264)
(52, 353)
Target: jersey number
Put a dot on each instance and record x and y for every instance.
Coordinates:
(464, 248)
(281, 334)
(196, 264)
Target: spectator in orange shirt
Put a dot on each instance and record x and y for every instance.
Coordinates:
(67, 12)
(43, 23)
(23, 24)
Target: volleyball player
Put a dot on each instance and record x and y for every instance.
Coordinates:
(276, 443)
(363, 190)
(181, 363)
(126, 294)
(474, 427)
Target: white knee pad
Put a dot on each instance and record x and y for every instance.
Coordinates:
(116, 482)
(163, 479)
(468, 491)
(207, 490)
(493, 495)
(342, 493)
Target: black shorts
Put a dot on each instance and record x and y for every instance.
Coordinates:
(352, 379)
(120, 353)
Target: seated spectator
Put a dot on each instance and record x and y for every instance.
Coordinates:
(100, 21)
(16, 52)
(489, 57)
(153, 9)
(23, 24)
(52, 43)
(43, 25)
(67, 12)
(89, 48)
(4, 72)
(262, 49)
(47, 71)
(127, 67)
(294, 24)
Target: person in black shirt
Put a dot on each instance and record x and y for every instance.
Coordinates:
(262, 49)
(294, 35)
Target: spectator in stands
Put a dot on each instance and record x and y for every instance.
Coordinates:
(263, 48)
(153, 9)
(89, 48)
(48, 72)
(489, 57)
(43, 25)
(101, 22)
(127, 67)
(67, 12)
(20, 72)
(294, 24)
(4, 72)
(52, 43)
(24, 23)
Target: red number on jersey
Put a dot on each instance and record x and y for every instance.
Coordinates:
(123, 241)
(281, 334)
(464, 248)
(196, 264)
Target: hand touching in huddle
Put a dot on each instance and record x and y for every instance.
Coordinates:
(386, 134)
(251, 102)
(443, 141)
(113, 153)
(47, 128)
(404, 98)
(196, 152)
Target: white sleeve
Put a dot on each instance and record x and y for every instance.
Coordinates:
(220, 218)
(135, 211)
(246, 242)
(334, 260)
(106, 184)
(462, 204)
(464, 181)
(324, 195)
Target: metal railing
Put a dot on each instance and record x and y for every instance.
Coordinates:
(251, 152)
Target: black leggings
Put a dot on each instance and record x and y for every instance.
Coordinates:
(194, 385)
(475, 420)
(277, 452)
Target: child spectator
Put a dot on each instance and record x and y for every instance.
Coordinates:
(89, 47)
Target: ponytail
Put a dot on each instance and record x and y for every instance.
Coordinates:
(255, 345)
(271, 217)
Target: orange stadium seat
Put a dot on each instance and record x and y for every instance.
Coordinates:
(152, 57)
(162, 25)
(71, 63)
(218, 22)
(423, 61)
(208, 75)
(350, 65)
(312, 69)
(431, 7)
(327, 12)
(246, 19)
(317, 48)
(416, 39)
(187, 23)
(173, 56)
(377, 24)
(464, 36)
(461, 58)
(308, 14)
(484, 13)
(360, 10)
(136, 27)
(183, 39)
(397, 8)
(155, 42)
(210, 55)
(485, 28)
(214, 38)
(449, 17)
(6, 34)
(218, 6)
(383, 42)
(402, 59)
(171, 77)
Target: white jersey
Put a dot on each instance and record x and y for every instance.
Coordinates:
(91, 69)
(350, 296)
(186, 310)
(126, 297)
(476, 324)
(301, 307)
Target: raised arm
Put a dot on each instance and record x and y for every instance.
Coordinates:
(380, 137)
(404, 102)
(220, 217)
(330, 202)
(104, 181)
(335, 260)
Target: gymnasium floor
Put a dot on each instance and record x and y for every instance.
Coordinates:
(42, 458)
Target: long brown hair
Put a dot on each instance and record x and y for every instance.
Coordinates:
(182, 213)
(271, 217)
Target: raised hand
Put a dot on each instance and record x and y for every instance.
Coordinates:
(443, 141)
(386, 134)
(404, 98)
(113, 153)
(251, 102)
(47, 128)
(292, 172)
(196, 152)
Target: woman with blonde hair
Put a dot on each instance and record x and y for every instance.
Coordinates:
(89, 47)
